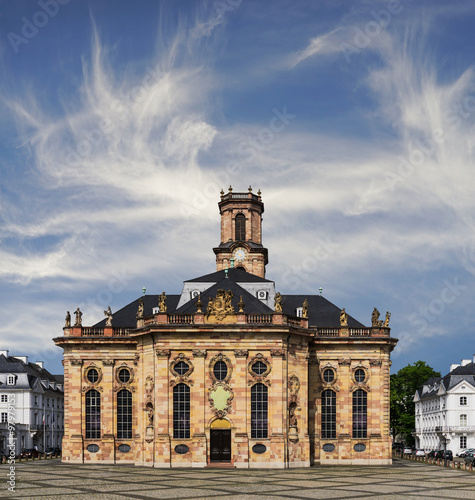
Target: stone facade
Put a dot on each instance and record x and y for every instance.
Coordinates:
(222, 378)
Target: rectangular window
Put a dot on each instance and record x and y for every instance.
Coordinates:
(463, 400)
(124, 414)
(4, 417)
(259, 410)
(360, 414)
(181, 411)
(4, 398)
(93, 414)
(463, 420)
(328, 414)
(11, 380)
(463, 442)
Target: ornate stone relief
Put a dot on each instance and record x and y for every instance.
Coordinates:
(199, 353)
(220, 394)
(220, 307)
(375, 362)
(108, 362)
(213, 361)
(256, 378)
(162, 353)
(241, 353)
(181, 378)
(344, 362)
(277, 353)
(99, 375)
(293, 385)
(149, 422)
(220, 397)
(124, 385)
(76, 362)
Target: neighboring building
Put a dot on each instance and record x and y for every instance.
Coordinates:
(445, 410)
(29, 394)
(229, 372)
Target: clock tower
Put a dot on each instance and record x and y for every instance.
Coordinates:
(241, 232)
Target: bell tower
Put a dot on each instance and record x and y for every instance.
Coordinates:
(241, 232)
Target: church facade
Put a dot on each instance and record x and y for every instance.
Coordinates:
(228, 373)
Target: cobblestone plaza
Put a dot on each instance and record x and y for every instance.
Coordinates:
(52, 479)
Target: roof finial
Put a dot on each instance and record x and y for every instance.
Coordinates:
(320, 290)
(230, 189)
(221, 193)
(259, 192)
(250, 189)
(144, 290)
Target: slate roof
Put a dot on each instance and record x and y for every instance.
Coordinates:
(126, 317)
(460, 374)
(253, 304)
(237, 274)
(10, 364)
(321, 312)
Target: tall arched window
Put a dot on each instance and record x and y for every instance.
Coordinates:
(259, 411)
(124, 414)
(328, 414)
(240, 227)
(181, 411)
(93, 414)
(360, 414)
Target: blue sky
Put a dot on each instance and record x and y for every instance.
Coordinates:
(120, 122)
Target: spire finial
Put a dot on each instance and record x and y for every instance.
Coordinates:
(250, 189)
(230, 189)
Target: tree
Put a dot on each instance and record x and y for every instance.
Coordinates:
(404, 384)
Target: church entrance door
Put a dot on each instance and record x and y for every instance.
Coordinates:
(220, 445)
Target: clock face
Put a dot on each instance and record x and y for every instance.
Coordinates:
(240, 254)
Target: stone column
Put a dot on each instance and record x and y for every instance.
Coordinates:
(108, 412)
(72, 449)
(198, 409)
(240, 405)
(278, 410)
(162, 423)
(344, 410)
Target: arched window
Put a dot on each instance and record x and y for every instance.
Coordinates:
(328, 414)
(240, 227)
(93, 414)
(124, 414)
(259, 410)
(181, 411)
(360, 414)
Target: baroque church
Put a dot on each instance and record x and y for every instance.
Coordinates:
(230, 372)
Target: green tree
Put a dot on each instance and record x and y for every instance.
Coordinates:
(404, 384)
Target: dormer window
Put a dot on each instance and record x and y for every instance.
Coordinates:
(240, 227)
(262, 295)
(11, 379)
(299, 312)
(194, 294)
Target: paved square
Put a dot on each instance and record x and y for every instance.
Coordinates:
(405, 479)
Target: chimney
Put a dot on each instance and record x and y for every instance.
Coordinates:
(466, 362)
(41, 364)
(453, 366)
(5, 353)
(22, 358)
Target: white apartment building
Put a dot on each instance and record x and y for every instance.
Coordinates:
(33, 401)
(445, 410)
